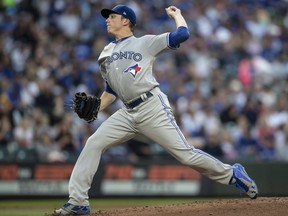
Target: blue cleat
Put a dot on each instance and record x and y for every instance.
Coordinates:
(68, 209)
(243, 181)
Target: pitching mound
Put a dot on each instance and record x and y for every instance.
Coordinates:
(222, 207)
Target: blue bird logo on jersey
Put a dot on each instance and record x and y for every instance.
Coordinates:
(133, 70)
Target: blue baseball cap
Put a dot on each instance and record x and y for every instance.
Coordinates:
(123, 10)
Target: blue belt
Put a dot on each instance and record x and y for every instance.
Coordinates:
(138, 101)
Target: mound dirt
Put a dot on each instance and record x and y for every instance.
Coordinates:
(262, 206)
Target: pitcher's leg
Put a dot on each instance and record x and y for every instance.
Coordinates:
(164, 130)
(204, 163)
(114, 130)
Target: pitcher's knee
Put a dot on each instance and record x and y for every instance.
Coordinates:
(92, 144)
(185, 161)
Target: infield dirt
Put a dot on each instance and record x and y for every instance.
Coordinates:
(262, 206)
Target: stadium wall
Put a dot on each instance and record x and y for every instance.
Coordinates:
(139, 179)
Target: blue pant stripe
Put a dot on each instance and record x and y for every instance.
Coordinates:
(208, 155)
(197, 151)
(172, 120)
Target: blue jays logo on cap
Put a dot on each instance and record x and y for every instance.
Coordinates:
(123, 10)
(133, 70)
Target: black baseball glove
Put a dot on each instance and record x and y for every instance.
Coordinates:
(86, 107)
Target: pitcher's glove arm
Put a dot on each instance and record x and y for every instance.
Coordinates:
(86, 107)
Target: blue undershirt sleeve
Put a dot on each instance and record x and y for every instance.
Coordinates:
(178, 36)
(110, 90)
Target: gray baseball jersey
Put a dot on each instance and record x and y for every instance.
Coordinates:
(127, 67)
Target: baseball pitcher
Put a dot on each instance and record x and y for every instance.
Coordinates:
(127, 67)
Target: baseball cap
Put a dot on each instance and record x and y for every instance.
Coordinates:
(123, 10)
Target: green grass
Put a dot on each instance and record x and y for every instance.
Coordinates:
(40, 207)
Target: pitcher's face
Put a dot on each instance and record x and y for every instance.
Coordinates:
(114, 22)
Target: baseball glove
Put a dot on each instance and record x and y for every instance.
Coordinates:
(86, 107)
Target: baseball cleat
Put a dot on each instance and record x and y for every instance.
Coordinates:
(243, 181)
(68, 209)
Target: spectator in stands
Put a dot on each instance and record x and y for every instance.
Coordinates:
(44, 100)
(267, 147)
(24, 133)
(64, 137)
(281, 142)
(6, 132)
(251, 111)
(247, 145)
(47, 150)
(25, 32)
(227, 145)
(213, 144)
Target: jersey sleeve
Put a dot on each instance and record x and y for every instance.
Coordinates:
(156, 43)
(172, 40)
(178, 36)
(110, 90)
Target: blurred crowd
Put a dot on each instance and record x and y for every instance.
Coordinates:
(228, 84)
